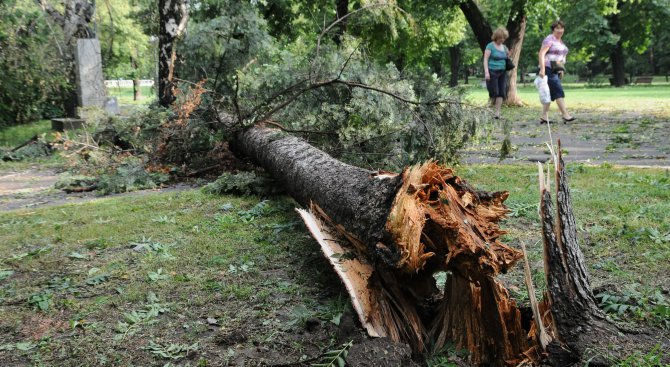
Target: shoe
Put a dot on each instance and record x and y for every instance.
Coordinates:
(543, 121)
(565, 121)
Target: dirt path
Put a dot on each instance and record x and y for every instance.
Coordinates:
(35, 188)
(630, 139)
(627, 139)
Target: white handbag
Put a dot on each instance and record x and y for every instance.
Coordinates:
(543, 89)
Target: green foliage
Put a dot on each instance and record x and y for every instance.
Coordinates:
(241, 183)
(130, 175)
(653, 358)
(122, 39)
(33, 75)
(447, 356)
(171, 350)
(41, 301)
(335, 357)
(650, 306)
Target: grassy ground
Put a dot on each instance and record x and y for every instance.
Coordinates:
(191, 278)
(12, 136)
(651, 100)
(125, 95)
(163, 278)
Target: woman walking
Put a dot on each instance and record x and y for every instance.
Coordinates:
(495, 54)
(552, 58)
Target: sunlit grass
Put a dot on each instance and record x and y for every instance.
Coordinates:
(652, 100)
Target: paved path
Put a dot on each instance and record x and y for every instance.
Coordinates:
(35, 188)
(629, 139)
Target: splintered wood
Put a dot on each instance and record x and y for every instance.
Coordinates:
(436, 218)
(436, 223)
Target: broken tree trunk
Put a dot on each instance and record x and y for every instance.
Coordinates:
(578, 325)
(404, 228)
(388, 234)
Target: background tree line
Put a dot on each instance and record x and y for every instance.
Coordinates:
(223, 38)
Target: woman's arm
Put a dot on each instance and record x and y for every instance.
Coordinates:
(543, 52)
(487, 54)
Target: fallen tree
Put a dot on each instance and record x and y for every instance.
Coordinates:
(388, 234)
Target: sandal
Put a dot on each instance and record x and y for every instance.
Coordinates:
(565, 121)
(543, 121)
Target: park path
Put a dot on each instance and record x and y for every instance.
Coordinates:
(34, 188)
(626, 139)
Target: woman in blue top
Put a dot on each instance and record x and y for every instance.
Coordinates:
(494, 67)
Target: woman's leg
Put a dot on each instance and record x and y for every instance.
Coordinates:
(499, 101)
(545, 111)
(561, 106)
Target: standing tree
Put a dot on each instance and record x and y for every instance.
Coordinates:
(173, 20)
(516, 25)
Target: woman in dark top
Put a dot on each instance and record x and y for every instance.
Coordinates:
(494, 68)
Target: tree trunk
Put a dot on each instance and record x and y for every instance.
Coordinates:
(137, 92)
(386, 235)
(516, 25)
(341, 9)
(173, 19)
(617, 55)
(480, 26)
(579, 328)
(408, 227)
(454, 65)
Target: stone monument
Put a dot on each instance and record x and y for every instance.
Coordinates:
(91, 90)
(90, 82)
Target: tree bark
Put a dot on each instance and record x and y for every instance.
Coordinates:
(137, 92)
(173, 16)
(341, 9)
(617, 54)
(410, 226)
(579, 328)
(516, 25)
(480, 26)
(454, 65)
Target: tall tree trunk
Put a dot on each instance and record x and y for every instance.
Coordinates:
(137, 92)
(455, 64)
(617, 54)
(173, 16)
(342, 9)
(516, 25)
(480, 26)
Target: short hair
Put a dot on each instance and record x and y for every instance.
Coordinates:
(557, 23)
(500, 34)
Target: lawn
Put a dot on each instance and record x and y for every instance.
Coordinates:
(649, 100)
(187, 277)
(125, 95)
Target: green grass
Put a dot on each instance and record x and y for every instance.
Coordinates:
(125, 95)
(135, 278)
(650, 100)
(105, 282)
(12, 136)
